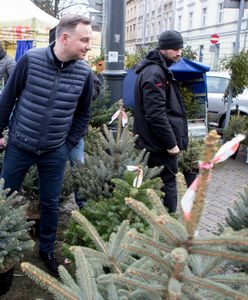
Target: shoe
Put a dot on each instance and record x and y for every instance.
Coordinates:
(51, 263)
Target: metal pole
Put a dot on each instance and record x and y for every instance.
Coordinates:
(144, 23)
(241, 12)
(236, 51)
(114, 72)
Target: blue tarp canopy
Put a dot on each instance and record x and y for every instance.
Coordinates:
(190, 72)
(187, 70)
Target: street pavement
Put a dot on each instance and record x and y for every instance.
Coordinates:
(228, 179)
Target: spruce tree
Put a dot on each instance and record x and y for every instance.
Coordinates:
(14, 230)
(172, 262)
(237, 217)
(107, 214)
(112, 153)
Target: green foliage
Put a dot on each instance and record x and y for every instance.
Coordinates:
(191, 103)
(14, 230)
(30, 190)
(109, 161)
(84, 289)
(237, 64)
(107, 214)
(166, 264)
(238, 124)
(237, 217)
(101, 112)
(188, 160)
(68, 184)
(189, 53)
(131, 60)
(94, 60)
(91, 140)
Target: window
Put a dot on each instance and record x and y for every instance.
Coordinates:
(201, 49)
(179, 25)
(204, 16)
(217, 84)
(159, 28)
(220, 12)
(169, 23)
(190, 20)
(134, 30)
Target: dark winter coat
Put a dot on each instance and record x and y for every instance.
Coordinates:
(45, 110)
(160, 118)
(7, 64)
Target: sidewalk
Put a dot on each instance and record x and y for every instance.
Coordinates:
(228, 179)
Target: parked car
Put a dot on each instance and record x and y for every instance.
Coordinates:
(217, 84)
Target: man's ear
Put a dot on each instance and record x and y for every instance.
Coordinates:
(64, 38)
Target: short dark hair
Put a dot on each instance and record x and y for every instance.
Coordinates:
(69, 22)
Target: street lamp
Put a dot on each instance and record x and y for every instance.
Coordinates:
(114, 72)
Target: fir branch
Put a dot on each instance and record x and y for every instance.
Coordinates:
(150, 217)
(114, 247)
(222, 240)
(157, 290)
(199, 200)
(211, 285)
(144, 252)
(96, 256)
(223, 253)
(144, 239)
(202, 266)
(108, 137)
(233, 278)
(47, 282)
(191, 294)
(148, 276)
(90, 229)
(156, 202)
(68, 280)
(84, 274)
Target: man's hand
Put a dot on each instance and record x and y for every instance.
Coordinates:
(2, 144)
(173, 151)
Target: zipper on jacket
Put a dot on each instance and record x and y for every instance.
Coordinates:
(49, 111)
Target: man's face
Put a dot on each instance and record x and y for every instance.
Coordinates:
(78, 42)
(172, 54)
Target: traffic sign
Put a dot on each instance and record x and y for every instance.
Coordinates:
(214, 39)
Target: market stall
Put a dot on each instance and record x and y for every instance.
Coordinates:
(22, 20)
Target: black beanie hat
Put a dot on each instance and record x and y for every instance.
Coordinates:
(170, 39)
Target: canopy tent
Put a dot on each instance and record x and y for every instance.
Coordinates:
(190, 72)
(23, 20)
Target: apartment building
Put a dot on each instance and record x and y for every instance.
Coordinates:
(197, 20)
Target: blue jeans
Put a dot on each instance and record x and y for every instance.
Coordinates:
(76, 155)
(51, 167)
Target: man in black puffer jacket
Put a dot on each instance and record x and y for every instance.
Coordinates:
(7, 64)
(48, 97)
(160, 118)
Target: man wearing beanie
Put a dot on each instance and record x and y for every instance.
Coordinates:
(160, 118)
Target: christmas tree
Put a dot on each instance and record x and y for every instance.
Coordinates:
(14, 230)
(108, 214)
(112, 153)
(172, 262)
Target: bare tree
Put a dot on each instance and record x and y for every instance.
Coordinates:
(57, 8)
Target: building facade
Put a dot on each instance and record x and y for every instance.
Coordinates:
(197, 20)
